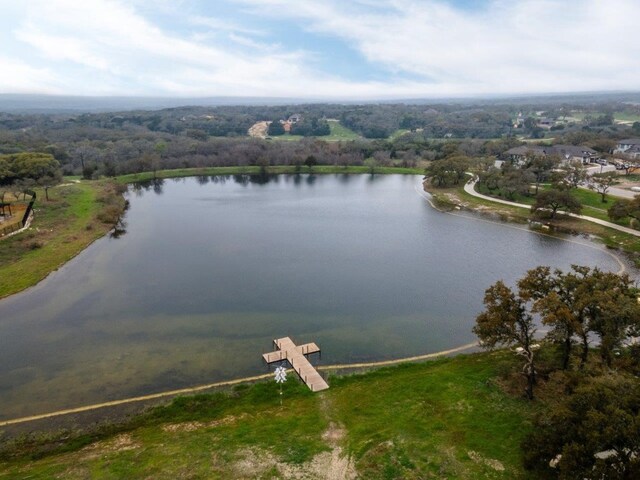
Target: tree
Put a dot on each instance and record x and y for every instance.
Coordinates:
(49, 181)
(574, 175)
(593, 434)
(530, 123)
(581, 302)
(554, 200)
(625, 208)
(310, 162)
(275, 128)
(614, 311)
(371, 163)
(540, 166)
(514, 181)
(562, 300)
(602, 182)
(506, 322)
(448, 171)
(29, 167)
(88, 156)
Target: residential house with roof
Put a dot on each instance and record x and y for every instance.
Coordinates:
(566, 153)
(629, 147)
(576, 153)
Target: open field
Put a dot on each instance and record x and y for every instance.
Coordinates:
(626, 117)
(446, 419)
(397, 134)
(339, 133)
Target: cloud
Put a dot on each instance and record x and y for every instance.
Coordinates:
(428, 48)
(502, 47)
(19, 77)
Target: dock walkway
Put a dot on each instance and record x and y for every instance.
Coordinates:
(296, 356)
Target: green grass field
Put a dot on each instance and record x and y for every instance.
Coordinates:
(441, 419)
(626, 117)
(397, 134)
(339, 133)
(61, 229)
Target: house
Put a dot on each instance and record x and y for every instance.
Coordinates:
(518, 155)
(295, 118)
(629, 147)
(574, 154)
(546, 123)
(566, 153)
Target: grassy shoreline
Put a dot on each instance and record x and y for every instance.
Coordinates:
(447, 417)
(77, 215)
(456, 197)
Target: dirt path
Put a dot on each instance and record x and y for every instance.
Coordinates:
(259, 129)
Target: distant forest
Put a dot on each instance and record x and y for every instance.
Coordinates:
(113, 143)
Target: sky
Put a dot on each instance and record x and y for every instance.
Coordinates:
(327, 49)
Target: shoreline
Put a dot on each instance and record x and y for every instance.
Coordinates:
(236, 381)
(457, 198)
(7, 291)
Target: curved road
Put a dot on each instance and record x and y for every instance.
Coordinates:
(470, 188)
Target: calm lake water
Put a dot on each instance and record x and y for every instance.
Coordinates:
(210, 270)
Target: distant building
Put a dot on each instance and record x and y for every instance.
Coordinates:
(567, 153)
(629, 147)
(518, 155)
(574, 154)
(295, 118)
(546, 123)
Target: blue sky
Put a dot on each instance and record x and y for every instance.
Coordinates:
(338, 49)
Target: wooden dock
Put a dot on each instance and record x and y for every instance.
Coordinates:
(296, 356)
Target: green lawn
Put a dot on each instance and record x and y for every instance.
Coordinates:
(609, 237)
(440, 419)
(339, 133)
(61, 229)
(397, 134)
(287, 137)
(592, 205)
(626, 117)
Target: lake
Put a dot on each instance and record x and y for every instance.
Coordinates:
(212, 269)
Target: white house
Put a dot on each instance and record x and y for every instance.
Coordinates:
(629, 147)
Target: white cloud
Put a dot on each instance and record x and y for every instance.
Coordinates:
(526, 46)
(18, 77)
(111, 47)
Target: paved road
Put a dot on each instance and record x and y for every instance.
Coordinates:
(470, 188)
(621, 192)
